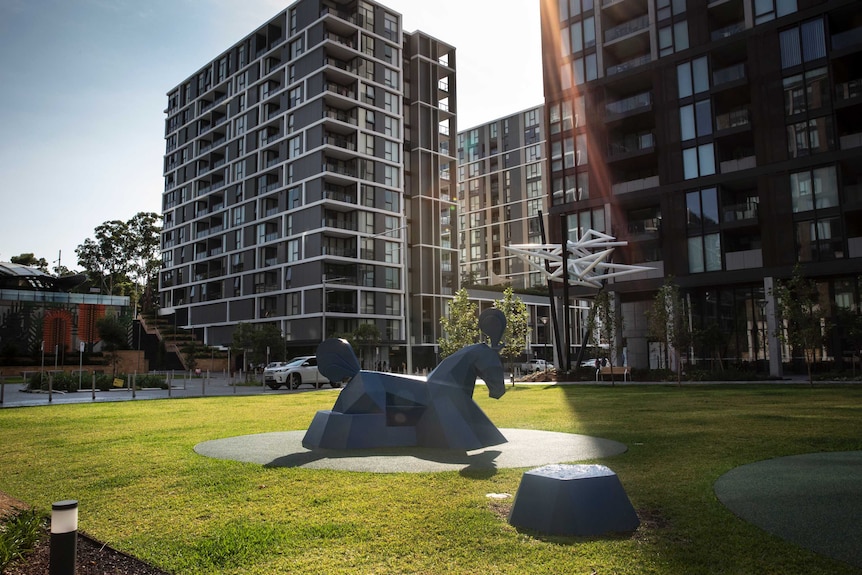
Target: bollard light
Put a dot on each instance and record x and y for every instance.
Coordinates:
(64, 537)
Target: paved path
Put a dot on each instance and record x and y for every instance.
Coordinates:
(524, 448)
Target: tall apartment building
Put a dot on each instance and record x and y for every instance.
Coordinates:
(307, 183)
(723, 140)
(501, 190)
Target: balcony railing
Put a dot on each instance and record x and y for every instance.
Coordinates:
(732, 119)
(645, 226)
(339, 141)
(341, 116)
(632, 143)
(626, 28)
(636, 102)
(345, 91)
(846, 39)
(729, 74)
(727, 31)
(741, 211)
(633, 63)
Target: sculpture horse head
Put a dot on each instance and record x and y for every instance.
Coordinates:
(478, 360)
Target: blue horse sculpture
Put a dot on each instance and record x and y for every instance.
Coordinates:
(387, 410)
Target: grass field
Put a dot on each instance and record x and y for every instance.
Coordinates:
(143, 490)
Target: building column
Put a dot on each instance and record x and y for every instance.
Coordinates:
(775, 369)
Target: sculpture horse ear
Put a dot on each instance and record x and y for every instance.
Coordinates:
(336, 360)
(492, 322)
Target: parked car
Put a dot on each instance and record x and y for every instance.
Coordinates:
(535, 365)
(296, 372)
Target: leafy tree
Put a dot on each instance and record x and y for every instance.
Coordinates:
(461, 326)
(803, 317)
(517, 319)
(364, 338)
(254, 340)
(609, 324)
(123, 257)
(31, 261)
(666, 322)
(115, 336)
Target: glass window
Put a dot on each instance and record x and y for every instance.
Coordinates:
(695, 255)
(703, 114)
(815, 189)
(700, 75)
(683, 78)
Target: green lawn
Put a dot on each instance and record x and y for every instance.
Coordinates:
(143, 490)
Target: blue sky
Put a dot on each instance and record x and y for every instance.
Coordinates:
(85, 82)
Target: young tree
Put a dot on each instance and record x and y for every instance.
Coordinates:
(803, 317)
(667, 323)
(517, 319)
(461, 326)
(609, 324)
(363, 339)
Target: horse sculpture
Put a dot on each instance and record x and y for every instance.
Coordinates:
(386, 410)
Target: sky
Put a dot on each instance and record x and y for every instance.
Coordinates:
(84, 86)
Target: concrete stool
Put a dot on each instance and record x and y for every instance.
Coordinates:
(579, 500)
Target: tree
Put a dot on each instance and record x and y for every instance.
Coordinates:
(803, 317)
(255, 340)
(363, 339)
(517, 328)
(609, 324)
(32, 261)
(461, 326)
(144, 253)
(115, 336)
(123, 257)
(666, 322)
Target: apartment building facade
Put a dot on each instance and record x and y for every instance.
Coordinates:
(306, 171)
(502, 189)
(722, 139)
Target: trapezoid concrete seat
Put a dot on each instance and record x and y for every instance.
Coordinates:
(576, 500)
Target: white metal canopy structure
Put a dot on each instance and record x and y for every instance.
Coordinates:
(587, 259)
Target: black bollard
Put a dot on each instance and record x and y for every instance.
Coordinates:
(64, 537)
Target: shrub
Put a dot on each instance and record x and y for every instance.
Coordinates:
(18, 534)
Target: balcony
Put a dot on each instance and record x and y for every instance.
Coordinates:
(638, 102)
(747, 210)
(745, 163)
(631, 144)
(629, 65)
(733, 119)
(747, 259)
(647, 226)
(341, 115)
(635, 185)
(732, 73)
(847, 39)
(339, 141)
(851, 141)
(632, 26)
(345, 91)
(727, 31)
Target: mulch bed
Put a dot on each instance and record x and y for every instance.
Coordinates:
(93, 557)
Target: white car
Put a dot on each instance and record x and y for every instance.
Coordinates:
(596, 362)
(535, 365)
(298, 371)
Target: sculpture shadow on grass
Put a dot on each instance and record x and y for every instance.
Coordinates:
(382, 410)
